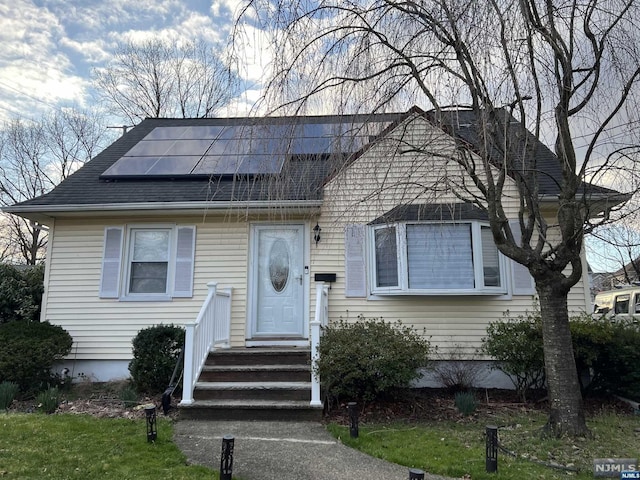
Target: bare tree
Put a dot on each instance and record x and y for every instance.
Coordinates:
(565, 70)
(159, 78)
(34, 157)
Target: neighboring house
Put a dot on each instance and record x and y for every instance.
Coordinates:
(268, 208)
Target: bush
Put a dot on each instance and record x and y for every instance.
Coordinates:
(516, 344)
(155, 354)
(48, 400)
(368, 359)
(609, 352)
(20, 293)
(606, 353)
(28, 350)
(8, 392)
(465, 402)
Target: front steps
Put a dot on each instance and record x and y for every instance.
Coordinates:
(254, 384)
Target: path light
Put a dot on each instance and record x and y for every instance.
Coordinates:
(492, 448)
(416, 474)
(152, 428)
(353, 419)
(226, 459)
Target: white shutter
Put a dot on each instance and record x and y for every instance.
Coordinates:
(522, 280)
(354, 261)
(185, 251)
(111, 260)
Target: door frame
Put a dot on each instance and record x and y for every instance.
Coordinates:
(252, 291)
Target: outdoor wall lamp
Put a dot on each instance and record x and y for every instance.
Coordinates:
(152, 429)
(316, 233)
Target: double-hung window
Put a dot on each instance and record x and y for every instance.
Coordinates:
(431, 258)
(148, 262)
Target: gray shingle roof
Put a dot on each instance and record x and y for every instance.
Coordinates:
(301, 178)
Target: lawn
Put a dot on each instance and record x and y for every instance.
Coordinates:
(68, 446)
(456, 447)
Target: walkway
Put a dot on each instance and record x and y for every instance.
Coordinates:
(282, 451)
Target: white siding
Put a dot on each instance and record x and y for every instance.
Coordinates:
(374, 185)
(104, 328)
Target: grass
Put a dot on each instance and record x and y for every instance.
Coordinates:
(457, 448)
(84, 447)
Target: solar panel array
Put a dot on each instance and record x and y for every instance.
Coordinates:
(235, 149)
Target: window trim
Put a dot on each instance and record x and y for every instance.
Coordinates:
(402, 262)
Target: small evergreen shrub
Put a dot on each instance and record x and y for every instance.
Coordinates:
(48, 400)
(8, 392)
(368, 359)
(516, 344)
(28, 350)
(155, 353)
(466, 403)
(20, 293)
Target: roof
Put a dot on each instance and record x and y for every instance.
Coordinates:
(298, 183)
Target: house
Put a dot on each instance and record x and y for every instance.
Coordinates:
(269, 226)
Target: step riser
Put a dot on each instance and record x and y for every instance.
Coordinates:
(246, 357)
(258, 394)
(240, 414)
(256, 376)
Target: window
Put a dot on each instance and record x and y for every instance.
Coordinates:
(153, 262)
(622, 304)
(148, 261)
(436, 258)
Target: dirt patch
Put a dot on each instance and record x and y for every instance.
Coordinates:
(430, 404)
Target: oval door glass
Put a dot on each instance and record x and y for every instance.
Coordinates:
(279, 265)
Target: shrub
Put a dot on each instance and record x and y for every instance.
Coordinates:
(516, 344)
(368, 359)
(128, 396)
(155, 353)
(465, 403)
(48, 400)
(28, 350)
(20, 292)
(457, 370)
(8, 392)
(609, 352)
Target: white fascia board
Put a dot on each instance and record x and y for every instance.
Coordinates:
(44, 213)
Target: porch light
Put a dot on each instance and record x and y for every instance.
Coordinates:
(226, 458)
(316, 233)
(492, 449)
(152, 428)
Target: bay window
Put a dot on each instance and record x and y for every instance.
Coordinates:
(431, 258)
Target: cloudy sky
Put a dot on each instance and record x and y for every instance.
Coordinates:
(50, 47)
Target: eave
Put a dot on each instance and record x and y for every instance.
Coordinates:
(45, 213)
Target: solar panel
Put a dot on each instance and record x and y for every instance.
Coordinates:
(236, 149)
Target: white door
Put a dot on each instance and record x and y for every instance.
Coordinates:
(278, 281)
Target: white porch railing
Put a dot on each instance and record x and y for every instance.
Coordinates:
(321, 320)
(212, 329)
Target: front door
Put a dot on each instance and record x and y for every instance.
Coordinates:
(278, 281)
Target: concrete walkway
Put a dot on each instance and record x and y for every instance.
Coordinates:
(282, 451)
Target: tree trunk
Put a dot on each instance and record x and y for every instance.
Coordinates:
(566, 410)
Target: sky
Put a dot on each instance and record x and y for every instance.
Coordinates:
(50, 47)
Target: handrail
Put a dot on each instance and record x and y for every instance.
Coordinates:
(212, 329)
(321, 320)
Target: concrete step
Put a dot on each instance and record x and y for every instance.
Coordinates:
(283, 410)
(256, 373)
(260, 356)
(253, 391)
